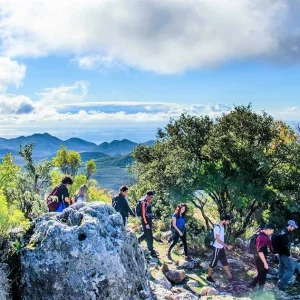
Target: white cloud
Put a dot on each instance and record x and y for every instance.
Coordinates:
(16, 105)
(103, 63)
(11, 73)
(159, 36)
(64, 94)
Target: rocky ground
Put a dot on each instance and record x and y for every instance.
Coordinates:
(178, 279)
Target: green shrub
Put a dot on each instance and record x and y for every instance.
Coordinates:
(10, 217)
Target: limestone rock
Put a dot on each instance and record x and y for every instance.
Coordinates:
(176, 276)
(236, 265)
(186, 265)
(192, 283)
(4, 285)
(240, 243)
(212, 292)
(204, 290)
(164, 282)
(83, 253)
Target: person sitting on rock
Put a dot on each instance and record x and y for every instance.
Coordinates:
(262, 242)
(178, 229)
(120, 204)
(62, 193)
(218, 248)
(80, 195)
(286, 262)
(146, 220)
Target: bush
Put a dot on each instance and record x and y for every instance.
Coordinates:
(10, 217)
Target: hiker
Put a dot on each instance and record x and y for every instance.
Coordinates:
(262, 243)
(286, 262)
(80, 195)
(58, 199)
(178, 229)
(120, 204)
(219, 248)
(146, 220)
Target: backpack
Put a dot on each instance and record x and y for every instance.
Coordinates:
(115, 203)
(276, 241)
(52, 200)
(251, 248)
(138, 208)
(209, 239)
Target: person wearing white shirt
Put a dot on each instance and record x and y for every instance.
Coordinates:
(219, 247)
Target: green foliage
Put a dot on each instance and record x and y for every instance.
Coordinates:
(10, 216)
(245, 162)
(90, 168)
(67, 161)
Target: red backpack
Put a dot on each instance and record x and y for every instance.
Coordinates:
(53, 202)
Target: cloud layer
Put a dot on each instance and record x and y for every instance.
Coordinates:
(11, 73)
(159, 36)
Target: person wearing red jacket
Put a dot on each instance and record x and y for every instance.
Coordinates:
(263, 242)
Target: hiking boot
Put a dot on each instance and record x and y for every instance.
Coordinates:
(210, 279)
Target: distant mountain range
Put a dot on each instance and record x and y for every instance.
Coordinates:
(111, 158)
(46, 145)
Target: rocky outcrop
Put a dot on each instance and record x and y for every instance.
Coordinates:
(83, 253)
(4, 286)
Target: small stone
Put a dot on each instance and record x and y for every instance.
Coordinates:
(212, 292)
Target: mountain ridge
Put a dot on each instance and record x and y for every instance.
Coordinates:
(46, 145)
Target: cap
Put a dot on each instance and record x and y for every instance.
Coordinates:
(292, 223)
(150, 193)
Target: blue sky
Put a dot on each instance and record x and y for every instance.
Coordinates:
(104, 70)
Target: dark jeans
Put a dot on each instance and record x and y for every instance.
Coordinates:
(175, 240)
(286, 269)
(261, 273)
(147, 235)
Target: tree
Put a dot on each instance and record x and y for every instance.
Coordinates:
(90, 168)
(235, 160)
(67, 161)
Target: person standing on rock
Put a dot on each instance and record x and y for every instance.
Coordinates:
(219, 248)
(178, 229)
(286, 262)
(120, 204)
(262, 243)
(146, 220)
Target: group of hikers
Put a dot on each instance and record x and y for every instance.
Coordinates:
(261, 241)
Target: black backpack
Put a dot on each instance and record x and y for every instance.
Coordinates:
(276, 240)
(209, 239)
(115, 203)
(138, 208)
(251, 249)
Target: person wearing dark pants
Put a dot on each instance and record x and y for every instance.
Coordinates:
(120, 204)
(146, 220)
(178, 229)
(262, 243)
(286, 262)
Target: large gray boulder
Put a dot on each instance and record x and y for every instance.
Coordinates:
(4, 285)
(83, 253)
